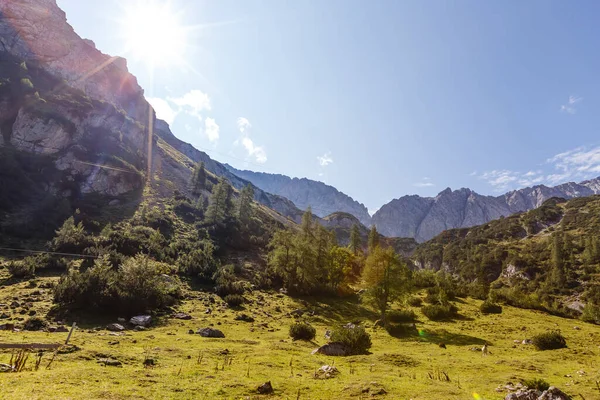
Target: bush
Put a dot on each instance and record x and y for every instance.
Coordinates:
(21, 269)
(199, 262)
(401, 329)
(226, 282)
(437, 312)
(415, 302)
(356, 339)
(536, 383)
(549, 341)
(302, 331)
(35, 324)
(397, 316)
(234, 300)
(487, 307)
(591, 313)
(139, 285)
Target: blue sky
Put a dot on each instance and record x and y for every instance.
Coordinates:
(379, 99)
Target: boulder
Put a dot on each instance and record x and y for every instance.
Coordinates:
(182, 315)
(210, 333)
(525, 394)
(265, 388)
(115, 327)
(332, 349)
(554, 394)
(141, 320)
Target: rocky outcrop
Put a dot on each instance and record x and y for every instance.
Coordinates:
(425, 217)
(37, 31)
(322, 198)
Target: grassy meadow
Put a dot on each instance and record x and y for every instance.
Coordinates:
(188, 366)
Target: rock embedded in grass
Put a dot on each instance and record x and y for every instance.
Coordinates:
(182, 315)
(115, 327)
(141, 320)
(210, 333)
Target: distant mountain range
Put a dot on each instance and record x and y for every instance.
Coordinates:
(322, 198)
(414, 216)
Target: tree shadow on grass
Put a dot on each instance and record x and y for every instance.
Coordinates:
(443, 336)
(338, 310)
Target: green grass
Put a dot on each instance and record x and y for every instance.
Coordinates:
(263, 351)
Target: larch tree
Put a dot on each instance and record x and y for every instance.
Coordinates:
(355, 241)
(373, 239)
(387, 278)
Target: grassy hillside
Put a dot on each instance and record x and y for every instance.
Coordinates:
(188, 366)
(550, 255)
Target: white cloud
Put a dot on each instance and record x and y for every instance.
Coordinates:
(257, 152)
(163, 110)
(325, 159)
(500, 179)
(372, 211)
(474, 173)
(423, 184)
(579, 163)
(570, 106)
(573, 165)
(193, 102)
(211, 129)
(243, 124)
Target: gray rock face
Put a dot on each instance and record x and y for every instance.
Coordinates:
(37, 30)
(425, 217)
(323, 199)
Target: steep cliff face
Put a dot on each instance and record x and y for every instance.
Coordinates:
(323, 199)
(424, 218)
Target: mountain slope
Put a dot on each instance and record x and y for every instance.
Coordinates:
(425, 217)
(323, 199)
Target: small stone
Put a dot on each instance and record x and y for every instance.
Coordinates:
(265, 388)
(182, 315)
(139, 328)
(115, 327)
(210, 333)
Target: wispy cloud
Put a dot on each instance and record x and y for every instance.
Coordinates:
(257, 152)
(573, 165)
(211, 129)
(325, 159)
(579, 163)
(570, 106)
(425, 182)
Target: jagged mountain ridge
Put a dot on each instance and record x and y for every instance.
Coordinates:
(303, 192)
(425, 217)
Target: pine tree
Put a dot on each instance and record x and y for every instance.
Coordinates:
(245, 204)
(198, 181)
(307, 222)
(373, 239)
(221, 204)
(355, 242)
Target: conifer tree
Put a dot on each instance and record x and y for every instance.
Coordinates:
(221, 204)
(245, 204)
(198, 181)
(373, 239)
(355, 242)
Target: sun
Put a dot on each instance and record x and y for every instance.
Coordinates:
(154, 33)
